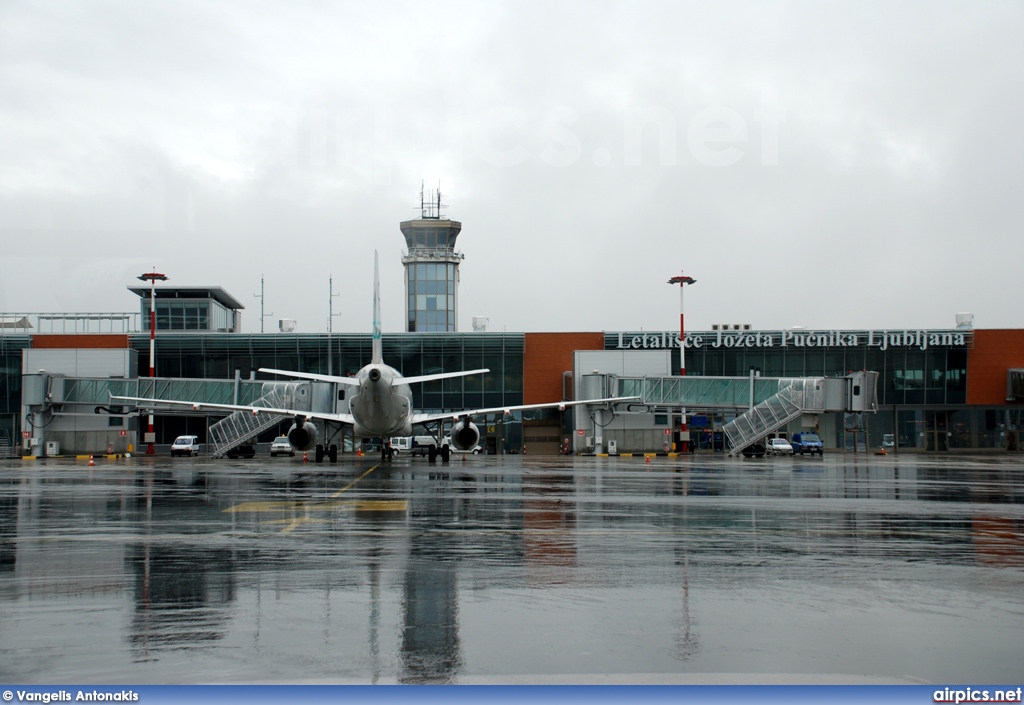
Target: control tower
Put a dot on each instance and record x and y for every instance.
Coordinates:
(431, 268)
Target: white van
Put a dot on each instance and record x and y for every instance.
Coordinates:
(401, 444)
(185, 445)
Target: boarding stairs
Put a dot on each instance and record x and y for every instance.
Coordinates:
(5, 446)
(241, 427)
(767, 417)
(856, 392)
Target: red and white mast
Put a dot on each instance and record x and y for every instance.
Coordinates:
(152, 278)
(682, 280)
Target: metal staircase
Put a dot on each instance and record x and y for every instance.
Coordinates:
(856, 392)
(241, 427)
(5, 446)
(768, 416)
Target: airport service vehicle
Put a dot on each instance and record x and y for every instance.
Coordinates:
(185, 445)
(421, 445)
(779, 446)
(401, 444)
(807, 443)
(281, 446)
(754, 450)
(247, 450)
(380, 403)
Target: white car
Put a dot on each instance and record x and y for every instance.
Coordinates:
(185, 445)
(281, 446)
(475, 451)
(779, 446)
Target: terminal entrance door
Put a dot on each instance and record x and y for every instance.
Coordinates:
(855, 441)
(542, 437)
(936, 430)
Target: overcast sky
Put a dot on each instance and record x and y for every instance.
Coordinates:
(820, 164)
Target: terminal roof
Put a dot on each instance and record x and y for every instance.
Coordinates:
(190, 292)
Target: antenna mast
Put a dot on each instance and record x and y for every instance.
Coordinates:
(260, 297)
(330, 323)
(430, 208)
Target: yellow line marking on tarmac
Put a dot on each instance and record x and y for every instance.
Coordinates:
(360, 505)
(397, 505)
(382, 505)
(284, 506)
(349, 485)
(294, 523)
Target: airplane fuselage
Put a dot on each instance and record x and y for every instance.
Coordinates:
(381, 404)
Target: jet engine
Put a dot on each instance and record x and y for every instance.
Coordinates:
(465, 435)
(302, 434)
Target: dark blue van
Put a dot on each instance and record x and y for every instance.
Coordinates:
(807, 443)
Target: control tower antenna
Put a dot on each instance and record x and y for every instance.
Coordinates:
(430, 208)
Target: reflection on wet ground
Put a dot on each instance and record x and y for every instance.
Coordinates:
(512, 569)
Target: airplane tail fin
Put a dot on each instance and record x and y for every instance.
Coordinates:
(378, 348)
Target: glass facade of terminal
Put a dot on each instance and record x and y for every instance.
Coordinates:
(10, 385)
(907, 376)
(922, 387)
(190, 315)
(218, 356)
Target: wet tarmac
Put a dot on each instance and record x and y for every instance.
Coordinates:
(513, 569)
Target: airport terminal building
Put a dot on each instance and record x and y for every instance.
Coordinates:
(938, 390)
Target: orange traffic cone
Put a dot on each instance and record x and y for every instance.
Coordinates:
(305, 459)
(91, 461)
(647, 458)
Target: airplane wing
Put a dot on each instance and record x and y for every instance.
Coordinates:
(201, 406)
(452, 415)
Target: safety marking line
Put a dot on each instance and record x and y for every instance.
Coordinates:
(283, 506)
(358, 505)
(355, 480)
(294, 523)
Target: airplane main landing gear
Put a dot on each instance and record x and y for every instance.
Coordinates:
(331, 453)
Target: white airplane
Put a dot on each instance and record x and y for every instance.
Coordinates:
(380, 404)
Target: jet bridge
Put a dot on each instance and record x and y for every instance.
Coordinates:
(770, 402)
(84, 396)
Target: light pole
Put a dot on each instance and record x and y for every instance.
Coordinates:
(152, 278)
(682, 280)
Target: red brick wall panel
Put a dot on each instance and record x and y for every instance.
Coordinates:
(995, 351)
(81, 340)
(546, 356)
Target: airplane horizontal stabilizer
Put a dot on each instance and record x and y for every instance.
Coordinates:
(350, 381)
(439, 375)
